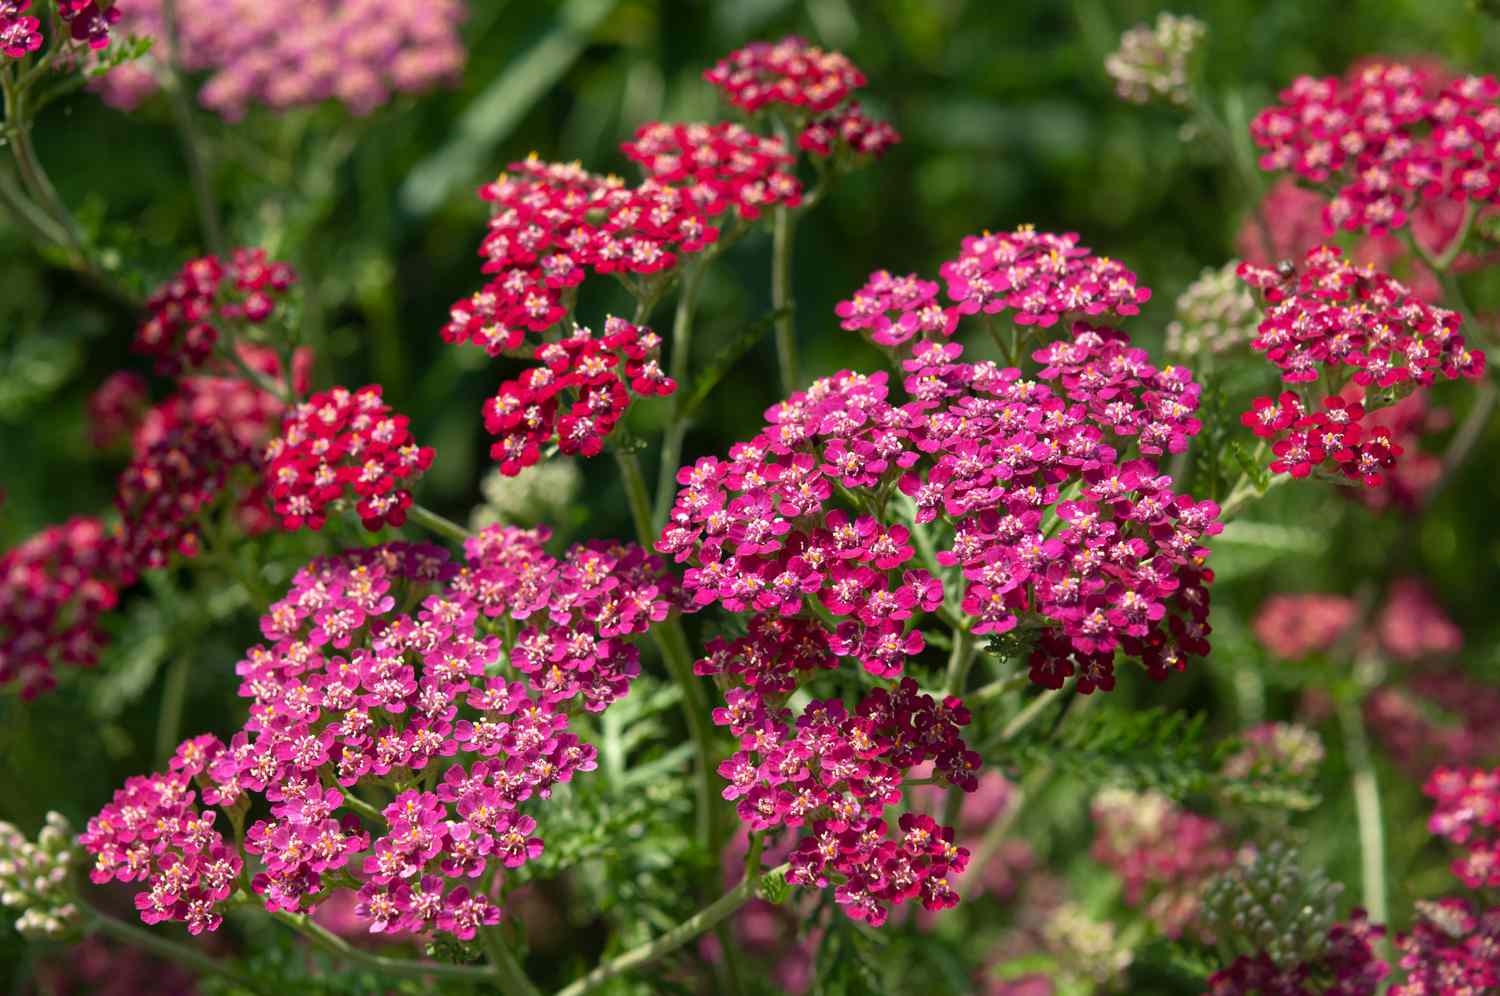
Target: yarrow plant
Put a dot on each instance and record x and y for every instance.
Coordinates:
(831, 719)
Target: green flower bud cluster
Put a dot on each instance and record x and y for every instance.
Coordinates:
(1272, 906)
(36, 878)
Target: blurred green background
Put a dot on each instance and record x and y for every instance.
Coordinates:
(1007, 117)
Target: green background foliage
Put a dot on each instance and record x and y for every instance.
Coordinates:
(1006, 116)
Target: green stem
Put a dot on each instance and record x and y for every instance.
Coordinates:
(182, 115)
(959, 662)
(37, 224)
(675, 652)
(1245, 492)
(1033, 709)
(184, 955)
(508, 971)
(173, 700)
(995, 834)
(363, 808)
(1366, 807)
(399, 967)
(782, 230)
(444, 527)
(1464, 440)
(638, 957)
(671, 442)
(995, 689)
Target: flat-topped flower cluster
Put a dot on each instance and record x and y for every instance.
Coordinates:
(353, 699)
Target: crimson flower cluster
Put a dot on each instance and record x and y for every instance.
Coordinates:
(719, 166)
(1451, 951)
(116, 408)
(812, 85)
(1348, 966)
(337, 443)
(1387, 137)
(20, 34)
(53, 590)
(835, 773)
(577, 396)
(1368, 339)
(188, 312)
(349, 693)
(988, 452)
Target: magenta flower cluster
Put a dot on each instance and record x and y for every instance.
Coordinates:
(188, 312)
(88, 23)
(291, 53)
(350, 693)
(988, 452)
(1450, 951)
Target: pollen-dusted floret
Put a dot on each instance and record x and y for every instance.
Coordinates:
(343, 444)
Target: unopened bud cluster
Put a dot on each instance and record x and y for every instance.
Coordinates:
(1273, 906)
(35, 877)
(540, 493)
(1155, 62)
(1216, 313)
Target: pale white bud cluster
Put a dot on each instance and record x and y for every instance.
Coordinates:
(1215, 313)
(537, 494)
(1156, 62)
(1089, 950)
(36, 877)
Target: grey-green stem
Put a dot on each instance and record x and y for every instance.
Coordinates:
(639, 957)
(183, 954)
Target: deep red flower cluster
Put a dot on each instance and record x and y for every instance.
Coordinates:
(167, 487)
(1387, 136)
(848, 128)
(1451, 951)
(20, 34)
(577, 396)
(1348, 967)
(116, 408)
(87, 22)
(349, 689)
(343, 444)
(1346, 325)
(53, 589)
(988, 453)
(1162, 853)
(187, 314)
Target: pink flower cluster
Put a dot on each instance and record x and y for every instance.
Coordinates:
(1466, 813)
(349, 691)
(187, 312)
(835, 773)
(340, 442)
(1038, 276)
(1294, 626)
(1360, 327)
(116, 408)
(1163, 854)
(53, 590)
(596, 379)
(1387, 137)
(988, 452)
(291, 53)
(1348, 967)
(1451, 951)
(813, 85)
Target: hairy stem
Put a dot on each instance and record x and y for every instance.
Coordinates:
(183, 954)
(782, 230)
(399, 967)
(1366, 807)
(645, 954)
(671, 442)
(675, 652)
(173, 700)
(508, 971)
(430, 520)
(192, 151)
